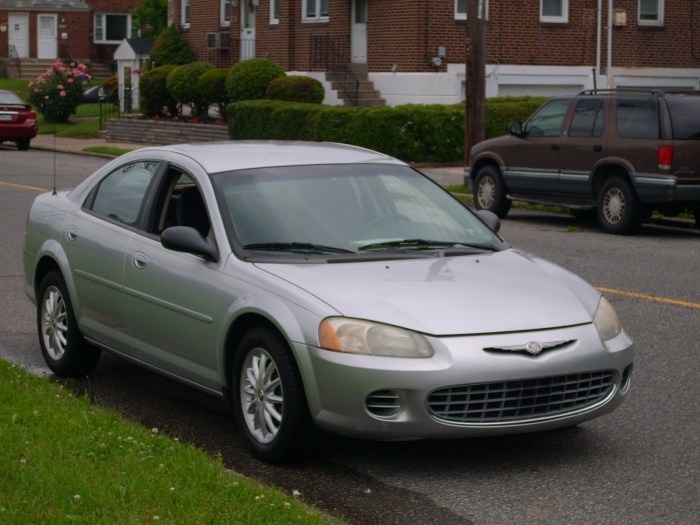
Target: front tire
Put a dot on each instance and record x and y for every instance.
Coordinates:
(23, 144)
(490, 192)
(268, 397)
(65, 350)
(619, 209)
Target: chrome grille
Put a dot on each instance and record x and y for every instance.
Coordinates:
(520, 400)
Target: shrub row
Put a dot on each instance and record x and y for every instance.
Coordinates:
(411, 132)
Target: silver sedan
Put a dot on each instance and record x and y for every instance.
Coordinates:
(322, 285)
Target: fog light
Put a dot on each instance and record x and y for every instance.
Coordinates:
(383, 404)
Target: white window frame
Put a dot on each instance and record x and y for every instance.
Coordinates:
(659, 14)
(563, 19)
(274, 6)
(100, 25)
(185, 14)
(317, 17)
(222, 12)
(462, 15)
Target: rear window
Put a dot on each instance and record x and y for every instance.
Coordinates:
(7, 97)
(638, 118)
(685, 116)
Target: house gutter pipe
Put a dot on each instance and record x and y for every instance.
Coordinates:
(599, 21)
(609, 61)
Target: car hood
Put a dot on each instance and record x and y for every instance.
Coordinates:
(505, 291)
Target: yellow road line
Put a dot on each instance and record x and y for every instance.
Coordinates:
(23, 186)
(650, 297)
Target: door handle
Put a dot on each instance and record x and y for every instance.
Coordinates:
(140, 260)
(597, 148)
(555, 147)
(72, 233)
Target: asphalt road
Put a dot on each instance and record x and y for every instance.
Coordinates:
(638, 465)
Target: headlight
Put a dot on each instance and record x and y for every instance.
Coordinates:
(353, 336)
(606, 320)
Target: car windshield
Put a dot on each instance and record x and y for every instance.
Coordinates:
(685, 115)
(7, 97)
(345, 210)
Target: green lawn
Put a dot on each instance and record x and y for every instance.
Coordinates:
(64, 460)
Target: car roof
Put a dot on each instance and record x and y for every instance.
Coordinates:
(216, 157)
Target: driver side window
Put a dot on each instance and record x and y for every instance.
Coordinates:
(183, 204)
(548, 120)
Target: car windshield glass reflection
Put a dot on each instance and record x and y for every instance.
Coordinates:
(342, 209)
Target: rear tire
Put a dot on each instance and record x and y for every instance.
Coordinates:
(268, 397)
(490, 192)
(23, 144)
(65, 350)
(619, 209)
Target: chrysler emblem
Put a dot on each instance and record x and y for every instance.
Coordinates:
(534, 347)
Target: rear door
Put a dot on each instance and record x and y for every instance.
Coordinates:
(533, 159)
(685, 121)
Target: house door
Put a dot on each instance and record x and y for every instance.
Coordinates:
(247, 29)
(359, 32)
(47, 41)
(19, 34)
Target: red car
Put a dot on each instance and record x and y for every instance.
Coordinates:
(17, 120)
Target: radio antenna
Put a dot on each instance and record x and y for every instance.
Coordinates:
(54, 162)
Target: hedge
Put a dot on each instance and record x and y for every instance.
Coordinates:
(411, 132)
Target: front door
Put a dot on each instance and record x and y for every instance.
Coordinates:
(19, 34)
(47, 42)
(247, 30)
(359, 32)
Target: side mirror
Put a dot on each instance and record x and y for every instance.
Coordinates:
(189, 240)
(490, 219)
(516, 128)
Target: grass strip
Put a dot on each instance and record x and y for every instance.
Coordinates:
(64, 460)
(107, 150)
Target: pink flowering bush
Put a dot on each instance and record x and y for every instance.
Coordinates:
(57, 92)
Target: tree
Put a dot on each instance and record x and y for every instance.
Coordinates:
(170, 48)
(151, 16)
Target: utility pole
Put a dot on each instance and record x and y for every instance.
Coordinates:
(474, 115)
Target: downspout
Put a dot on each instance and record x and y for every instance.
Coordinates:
(608, 67)
(599, 21)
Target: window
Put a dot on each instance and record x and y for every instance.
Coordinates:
(461, 9)
(111, 28)
(638, 118)
(588, 119)
(120, 195)
(315, 10)
(185, 13)
(554, 11)
(274, 11)
(225, 11)
(548, 120)
(651, 12)
(684, 115)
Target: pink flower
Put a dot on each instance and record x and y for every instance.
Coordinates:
(46, 97)
(70, 80)
(60, 86)
(62, 93)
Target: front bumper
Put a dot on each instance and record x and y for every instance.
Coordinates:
(346, 392)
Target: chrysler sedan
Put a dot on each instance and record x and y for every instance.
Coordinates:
(318, 285)
(17, 120)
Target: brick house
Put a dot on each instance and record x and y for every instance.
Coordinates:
(84, 30)
(415, 50)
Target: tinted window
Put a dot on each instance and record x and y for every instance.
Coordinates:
(638, 118)
(685, 117)
(588, 118)
(548, 120)
(120, 195)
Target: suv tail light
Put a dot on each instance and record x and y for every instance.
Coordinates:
(665, 155)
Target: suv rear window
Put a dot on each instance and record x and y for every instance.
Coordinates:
(638, 118)
(685, 116)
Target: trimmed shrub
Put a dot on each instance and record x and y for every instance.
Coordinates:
(170, 48)
(296, 89)
(182, 85)
(412, 132)
(212, 88)
(58, 92)
(154, 97)
(248, 79)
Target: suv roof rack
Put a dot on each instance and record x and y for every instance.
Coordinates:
(640, 91)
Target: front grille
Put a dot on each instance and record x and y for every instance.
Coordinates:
(520, 400)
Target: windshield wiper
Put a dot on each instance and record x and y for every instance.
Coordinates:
(304, 247)
(421, 244)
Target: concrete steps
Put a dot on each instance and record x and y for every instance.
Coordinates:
(367, 95)
(31, 68)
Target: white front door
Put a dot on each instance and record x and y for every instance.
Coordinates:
(19, 34)
(47, 37)
(359, 32)
(247, 29)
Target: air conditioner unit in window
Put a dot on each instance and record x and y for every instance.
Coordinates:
(212, 40)
(224, 40)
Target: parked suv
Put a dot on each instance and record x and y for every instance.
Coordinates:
(623, 153)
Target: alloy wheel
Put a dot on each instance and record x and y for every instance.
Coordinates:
(54, 323)
(262, 399)
(614, 205)
(486, 192)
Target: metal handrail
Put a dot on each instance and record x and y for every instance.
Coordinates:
(325, 55)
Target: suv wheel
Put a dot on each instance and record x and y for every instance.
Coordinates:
(490, 192)
(619, 210)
